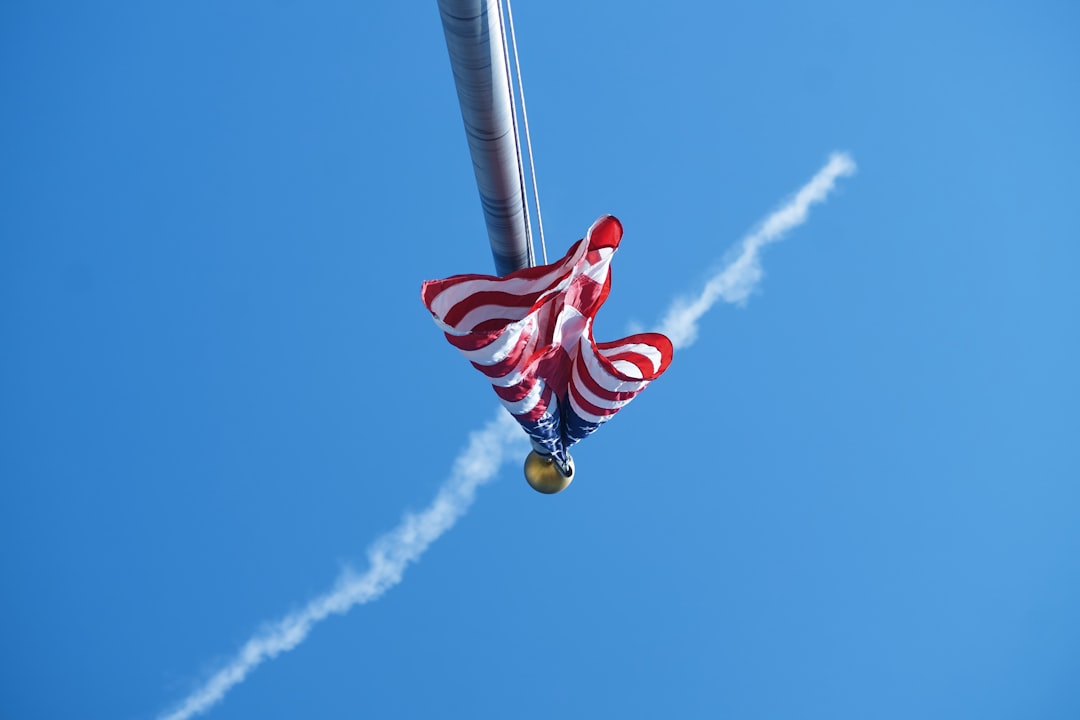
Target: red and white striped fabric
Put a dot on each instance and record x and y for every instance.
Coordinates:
(530, 333)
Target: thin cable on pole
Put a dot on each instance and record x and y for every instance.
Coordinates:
(528, 138)
(517, 141)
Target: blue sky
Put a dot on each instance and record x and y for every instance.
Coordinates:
(855, 496)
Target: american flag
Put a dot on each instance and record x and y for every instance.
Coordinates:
(530, 333)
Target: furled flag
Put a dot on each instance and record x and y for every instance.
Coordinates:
(530, 333)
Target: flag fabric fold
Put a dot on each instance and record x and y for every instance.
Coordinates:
(530, 333)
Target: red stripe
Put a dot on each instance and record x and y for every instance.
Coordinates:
(472, 341)
(490, 297)
(494, 325)
(606, 233)
(545, 321)
(643, 364)
(541, 408)
(595, 388)
(656, 340)
(431, 289)
(588, 406)
(516, 393)
(510, 362)
(586, 295)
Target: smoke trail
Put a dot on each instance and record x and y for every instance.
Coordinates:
(739, 276)
(499, 440)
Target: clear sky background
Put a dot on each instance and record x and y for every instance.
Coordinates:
(857, 496)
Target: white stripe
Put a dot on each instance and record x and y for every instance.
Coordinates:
(627, 368)
(589, 397)
(516, 374)
(602, 376)
(527, 403)
(599, 269)
(587, 416)
(645, 350)
(475, 317)
(458, 292)
(570, 326)
(498, 349)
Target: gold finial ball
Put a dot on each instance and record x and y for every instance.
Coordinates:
(543, 474)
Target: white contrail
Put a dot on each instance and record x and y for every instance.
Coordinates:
(500, 440)
(738, 277)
